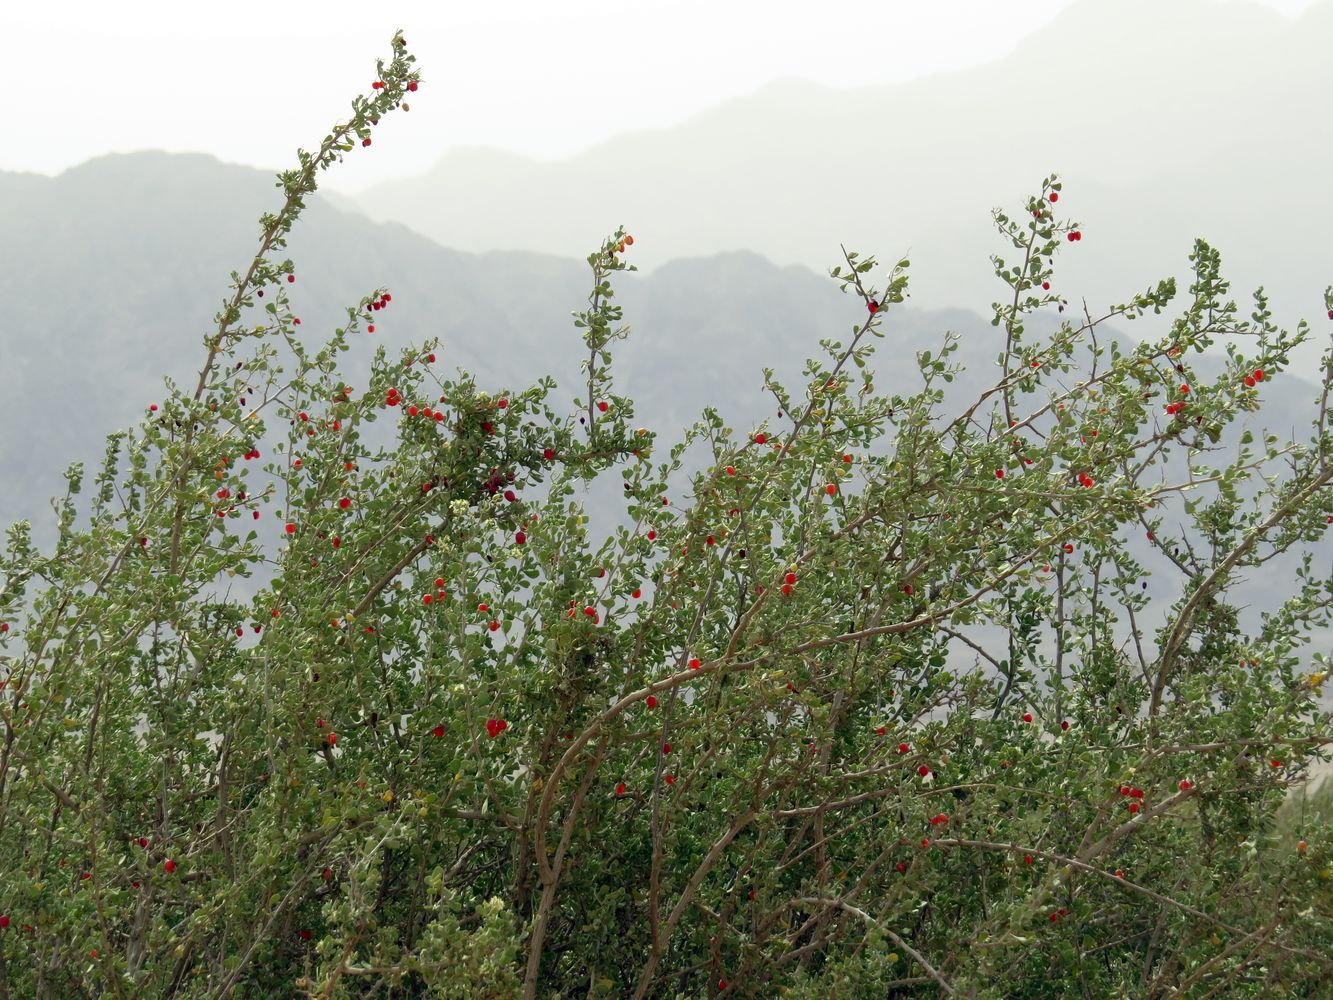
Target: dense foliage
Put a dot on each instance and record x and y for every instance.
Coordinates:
(288, 711)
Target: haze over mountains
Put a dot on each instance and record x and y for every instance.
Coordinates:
(111, 272)
(1166, 121)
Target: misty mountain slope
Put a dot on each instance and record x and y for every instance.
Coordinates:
(1167, 121)
(110, 275)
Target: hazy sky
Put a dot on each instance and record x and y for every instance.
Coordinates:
(250, 81)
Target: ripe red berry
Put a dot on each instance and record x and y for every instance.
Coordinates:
(1045, 286)
(520, 538)
(1133, 807)
(493, 626)
(695, 664)
(426, 598)
(438, 731)
(345, 502)
(999, 473)
(923, 770)
(903, 748)
(1184, 786)
(602, 406)
(548, 454)
(760, 438)
(1064, 724)
(169, 867)
(1027, 859)
(831, 489)
(291, 528)
(1054, 196)
(873, 306)
(1249, 381)
(652, 535)
(652, 701)
(1258, 374)
(666, 747)
(790, 578)
(620, 788)
(412, 86)
(1027, 716)
(786, 590)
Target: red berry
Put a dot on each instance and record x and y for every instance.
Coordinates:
(1045, 286)
(652, 701)
(1258, 374)
(1249, 381)
(1133, 807)
(548, 454)
(426, 598)
(1064, 724)
(602, 406)
(666, 747)
(412, 86)
(923, 770)
(903, 748)
(1027, 716)
(1184, 786)
(635, 593)
(438, 731)
(520, 538)
(695, 664)
(169, 867)
(620, 788)
(830, 489)
(1027, 859)
(999, 473)
(345, 502)
(873, 306)
(1054, 196)
(291, 529)
(493, 626)
(291, 278)
(760, 438)
(366, 142)
(791, 578)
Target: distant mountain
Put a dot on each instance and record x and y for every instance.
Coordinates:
(111, 272)
(1166, 120)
